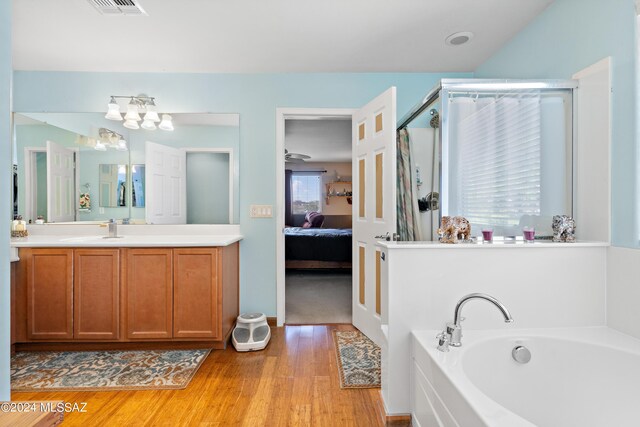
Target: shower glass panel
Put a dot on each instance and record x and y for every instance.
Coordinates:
(507, 155)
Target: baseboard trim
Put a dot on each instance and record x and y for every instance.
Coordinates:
(397, 420)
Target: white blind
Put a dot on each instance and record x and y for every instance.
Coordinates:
(498, 151)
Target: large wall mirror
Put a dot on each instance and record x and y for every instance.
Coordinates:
(79, 167)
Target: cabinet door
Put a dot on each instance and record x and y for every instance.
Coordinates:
(49, 294)
(95, 294)
(197, 299)
(149, 293)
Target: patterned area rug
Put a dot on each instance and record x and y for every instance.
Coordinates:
(104, 370)
(358, 360)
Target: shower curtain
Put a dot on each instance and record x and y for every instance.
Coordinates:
(407, 216)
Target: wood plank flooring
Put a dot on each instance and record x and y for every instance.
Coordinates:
(294, 382)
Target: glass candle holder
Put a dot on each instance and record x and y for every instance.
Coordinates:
(529, 234)
(487, 235)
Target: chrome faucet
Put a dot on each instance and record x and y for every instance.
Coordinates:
(452, 335)
(113, 228)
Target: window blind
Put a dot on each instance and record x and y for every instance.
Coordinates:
(496, 179)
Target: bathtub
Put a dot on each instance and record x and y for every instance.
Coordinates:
(576, 377)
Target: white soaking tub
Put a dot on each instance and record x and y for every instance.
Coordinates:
(576, 377)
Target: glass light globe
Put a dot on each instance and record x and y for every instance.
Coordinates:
(148, 124)
(166, 123)
(131, 124)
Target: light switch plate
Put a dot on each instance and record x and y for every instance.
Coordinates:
(261, 211)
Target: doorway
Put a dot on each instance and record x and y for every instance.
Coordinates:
(38, 200)
(314, 282)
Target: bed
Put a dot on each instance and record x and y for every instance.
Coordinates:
(317, 247)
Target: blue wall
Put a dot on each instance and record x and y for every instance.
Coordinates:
(567, 37)
(5, 194)
(255, 97)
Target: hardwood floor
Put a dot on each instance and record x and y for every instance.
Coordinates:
(293, 382)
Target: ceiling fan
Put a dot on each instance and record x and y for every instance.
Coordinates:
(294, 157)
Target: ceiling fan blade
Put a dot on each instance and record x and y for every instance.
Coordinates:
(293, 160)
(297, 156)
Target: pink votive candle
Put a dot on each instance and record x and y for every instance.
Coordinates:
(487, 235)
(529, 234)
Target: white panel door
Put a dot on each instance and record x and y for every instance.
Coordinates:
(374, 205)
(61, 188)
(166, 181)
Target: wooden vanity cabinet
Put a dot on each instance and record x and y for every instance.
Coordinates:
(148, 293)
(49, 286)
(205, 292)
(124, 295)
(96, 294)
(196, 293)
(70, 294)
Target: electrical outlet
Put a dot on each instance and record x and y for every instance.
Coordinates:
(261, 211)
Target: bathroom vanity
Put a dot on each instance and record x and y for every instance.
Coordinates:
(91, 292)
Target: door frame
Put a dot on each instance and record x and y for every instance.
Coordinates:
(232, 172)
(30, 178)
(283, 114)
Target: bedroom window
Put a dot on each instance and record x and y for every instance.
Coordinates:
(305, 192)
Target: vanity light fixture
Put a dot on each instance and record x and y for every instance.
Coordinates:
(111, 139)
(140, 108)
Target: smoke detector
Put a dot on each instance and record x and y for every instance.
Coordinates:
(118, 7)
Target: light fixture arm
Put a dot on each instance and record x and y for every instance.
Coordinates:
(142, 99)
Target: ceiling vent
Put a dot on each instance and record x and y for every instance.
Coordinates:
(118, 7)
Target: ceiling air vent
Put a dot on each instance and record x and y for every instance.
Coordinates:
(118, 7)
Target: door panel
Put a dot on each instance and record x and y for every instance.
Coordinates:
(374, 207)
(49, 293)
(196, 290)
(61, 188)
(96, 293)
(166, 181)
(149, 293)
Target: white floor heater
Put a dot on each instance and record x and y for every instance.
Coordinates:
(251, 333)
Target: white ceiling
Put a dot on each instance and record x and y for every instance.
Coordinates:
(265, 36)
(326, 140)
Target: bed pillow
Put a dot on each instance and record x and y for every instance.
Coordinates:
(313, 220)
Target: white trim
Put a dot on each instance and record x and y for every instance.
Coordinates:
(231, 171)
(592, 159)
(281, 115)
(29, 171)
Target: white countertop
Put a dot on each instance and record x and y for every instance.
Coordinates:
(132, 241)
(538, 244)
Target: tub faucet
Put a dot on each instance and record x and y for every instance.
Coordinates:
(452, 335)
